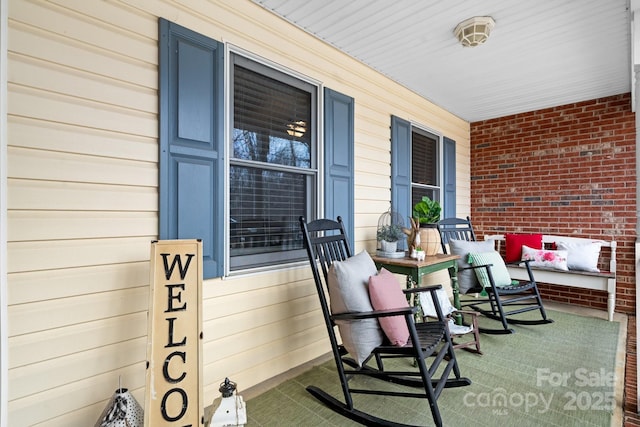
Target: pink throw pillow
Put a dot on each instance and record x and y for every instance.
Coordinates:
(514, 242)
(385, 293)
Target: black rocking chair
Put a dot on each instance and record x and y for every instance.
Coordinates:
(326, 242)
(523, 296)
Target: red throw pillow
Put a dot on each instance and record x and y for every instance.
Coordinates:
(514, 243)
(385, 293)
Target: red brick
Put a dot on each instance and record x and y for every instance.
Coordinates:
(555, 154)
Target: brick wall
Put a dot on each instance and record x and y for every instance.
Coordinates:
(568, 170)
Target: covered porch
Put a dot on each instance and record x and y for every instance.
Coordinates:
(516, 140)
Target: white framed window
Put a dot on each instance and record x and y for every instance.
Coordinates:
(273, 166)
(426, 165)
(423, 163)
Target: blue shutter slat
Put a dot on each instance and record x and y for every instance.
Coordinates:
(449, 208)
(339, 158)
(401, 167)
(191, 138)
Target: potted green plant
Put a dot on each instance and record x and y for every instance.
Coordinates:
(427, 211)
(388, 236)
(426, 214)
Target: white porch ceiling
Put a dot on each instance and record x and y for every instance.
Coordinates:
(541, 53)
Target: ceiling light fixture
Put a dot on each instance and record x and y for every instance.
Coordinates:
(297, 128)
(474, 31)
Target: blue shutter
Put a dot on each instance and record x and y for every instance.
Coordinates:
(191, 141)
(339, 159)
(449, 184)
(401, 168)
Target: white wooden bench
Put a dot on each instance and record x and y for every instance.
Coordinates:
(605, 280)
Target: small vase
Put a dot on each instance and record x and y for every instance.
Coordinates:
(429, 239)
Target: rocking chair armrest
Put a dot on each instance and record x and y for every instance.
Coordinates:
(469, 312)
(526, 266)
(422, 289)
(375, 314)
(473, 267)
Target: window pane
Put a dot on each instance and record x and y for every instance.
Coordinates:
(264, 211)
(272, 120)
(425, 166)
(418, 192)
(424, 159)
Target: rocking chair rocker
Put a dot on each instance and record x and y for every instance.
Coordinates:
(522, 295)
(328, 251)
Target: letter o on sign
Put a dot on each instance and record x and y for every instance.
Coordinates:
(185, 403)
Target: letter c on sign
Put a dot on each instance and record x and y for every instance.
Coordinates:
(165, 368)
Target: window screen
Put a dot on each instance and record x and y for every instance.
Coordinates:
(425, 172)
(272, 168)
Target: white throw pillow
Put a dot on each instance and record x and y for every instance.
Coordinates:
(428, 306)
(348, 292)
(582, 256)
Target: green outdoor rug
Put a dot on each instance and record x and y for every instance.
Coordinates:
(560, 374)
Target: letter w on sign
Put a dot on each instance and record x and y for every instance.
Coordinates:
(168, 270)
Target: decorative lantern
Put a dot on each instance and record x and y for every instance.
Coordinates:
(122, 411)
(232, 410)
(390, 235)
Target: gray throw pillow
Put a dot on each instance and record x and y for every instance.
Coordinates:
(348, 282)
(467, 279)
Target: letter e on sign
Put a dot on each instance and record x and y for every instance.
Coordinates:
(174, 342)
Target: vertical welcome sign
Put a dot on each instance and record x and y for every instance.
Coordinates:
(174, 348)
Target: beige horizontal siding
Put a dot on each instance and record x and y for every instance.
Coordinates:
(57, 342)
(50, 195)
(53, 407)
(256, 365)
(31, 72)
(66, 167)
(75, 54)
(83, 200)
(48, 106)
(62, 254)
(50, 374)
(60, 137)
(36, 286)
(59, 225)
(29, 318)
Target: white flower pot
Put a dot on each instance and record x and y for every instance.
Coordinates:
(389, 246)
